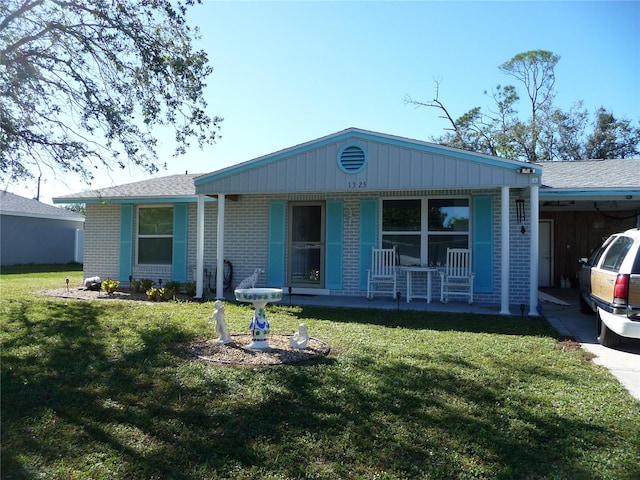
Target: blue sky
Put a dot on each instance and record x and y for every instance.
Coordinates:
(290, 72)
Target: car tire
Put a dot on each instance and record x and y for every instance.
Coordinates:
(584, 305)
(607, 337)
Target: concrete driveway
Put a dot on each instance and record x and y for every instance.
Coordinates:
(564, 314)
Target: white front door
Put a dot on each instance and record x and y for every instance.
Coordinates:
(545, 258)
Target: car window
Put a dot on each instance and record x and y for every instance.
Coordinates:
(636, 264)
(615, 254)
(595, 256)
(597, 253)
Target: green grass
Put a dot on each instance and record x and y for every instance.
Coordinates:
(98, 389)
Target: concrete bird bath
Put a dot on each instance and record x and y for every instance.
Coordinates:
(259, 325)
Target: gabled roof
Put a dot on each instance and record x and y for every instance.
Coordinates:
(175, 188)
(360, 134)
(578, 178)
(390, 163)
(11, 204)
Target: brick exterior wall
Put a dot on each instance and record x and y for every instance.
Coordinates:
(247, 232)
(101, 241)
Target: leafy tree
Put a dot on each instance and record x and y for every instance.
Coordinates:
(83, 83)
(80, 208)
(612, 138)
(548, 133)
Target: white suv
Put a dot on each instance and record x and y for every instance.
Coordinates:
(613, 287)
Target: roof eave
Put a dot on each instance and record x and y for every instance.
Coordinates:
(128, 200)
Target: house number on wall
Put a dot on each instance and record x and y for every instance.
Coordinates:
(352, 185)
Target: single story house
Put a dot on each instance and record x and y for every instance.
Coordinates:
(309, 216)
(34, 232)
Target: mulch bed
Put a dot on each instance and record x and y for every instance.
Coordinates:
(236, 353)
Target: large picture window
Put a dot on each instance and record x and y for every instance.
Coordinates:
(423, 229)
(155, 235)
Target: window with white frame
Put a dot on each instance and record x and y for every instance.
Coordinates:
(155, 235)
(423, 229)
(401, 228)
(448, 227)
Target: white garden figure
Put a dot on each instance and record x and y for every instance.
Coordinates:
(250, 282)
(92, 283)
(221, 326)
(300, 339)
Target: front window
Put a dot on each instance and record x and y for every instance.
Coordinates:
(423, 229)
(448, 227)
(155, 235)
(401, 228)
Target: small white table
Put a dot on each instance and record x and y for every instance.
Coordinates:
(410, 271)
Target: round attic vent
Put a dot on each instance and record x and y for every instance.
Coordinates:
(352, 158)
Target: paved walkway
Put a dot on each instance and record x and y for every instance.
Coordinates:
(623, 362)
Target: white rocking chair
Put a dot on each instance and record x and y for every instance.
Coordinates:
(382, 272)
(457, 277)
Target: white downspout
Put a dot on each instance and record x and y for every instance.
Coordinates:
(504, 223)
(200, 248)
(220, 249)
(533, 266)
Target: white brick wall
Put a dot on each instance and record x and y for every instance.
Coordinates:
(247, 232)
(102, 241)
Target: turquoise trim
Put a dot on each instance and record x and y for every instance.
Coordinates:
(334, 244)
(341, 152)
(591, 193)
(483, 244)
(277, 241)
(352, 134)
(180, 242)
(136, 200)
(368, 236)
(125, 268)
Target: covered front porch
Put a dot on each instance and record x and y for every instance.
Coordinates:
(371, 190)
(505, 226)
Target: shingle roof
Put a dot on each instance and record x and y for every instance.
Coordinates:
(163, 187)
(592, 174)
(582, 174)
(11, 204)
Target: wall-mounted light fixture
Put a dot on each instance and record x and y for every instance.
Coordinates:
(526, 170)
(520, 213)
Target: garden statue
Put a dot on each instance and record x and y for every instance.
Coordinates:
(250, 282)
(93, 283)
(300, 339)
(221, 326)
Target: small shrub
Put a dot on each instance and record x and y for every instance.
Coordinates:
(110, 286)
(135, 285)
(147, 283)
(155, 294)
(171, 289)
(190, 289)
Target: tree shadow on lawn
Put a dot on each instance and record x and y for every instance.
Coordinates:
(417, 320)
(73, 400)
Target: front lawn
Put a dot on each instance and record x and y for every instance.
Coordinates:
(98, 389)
